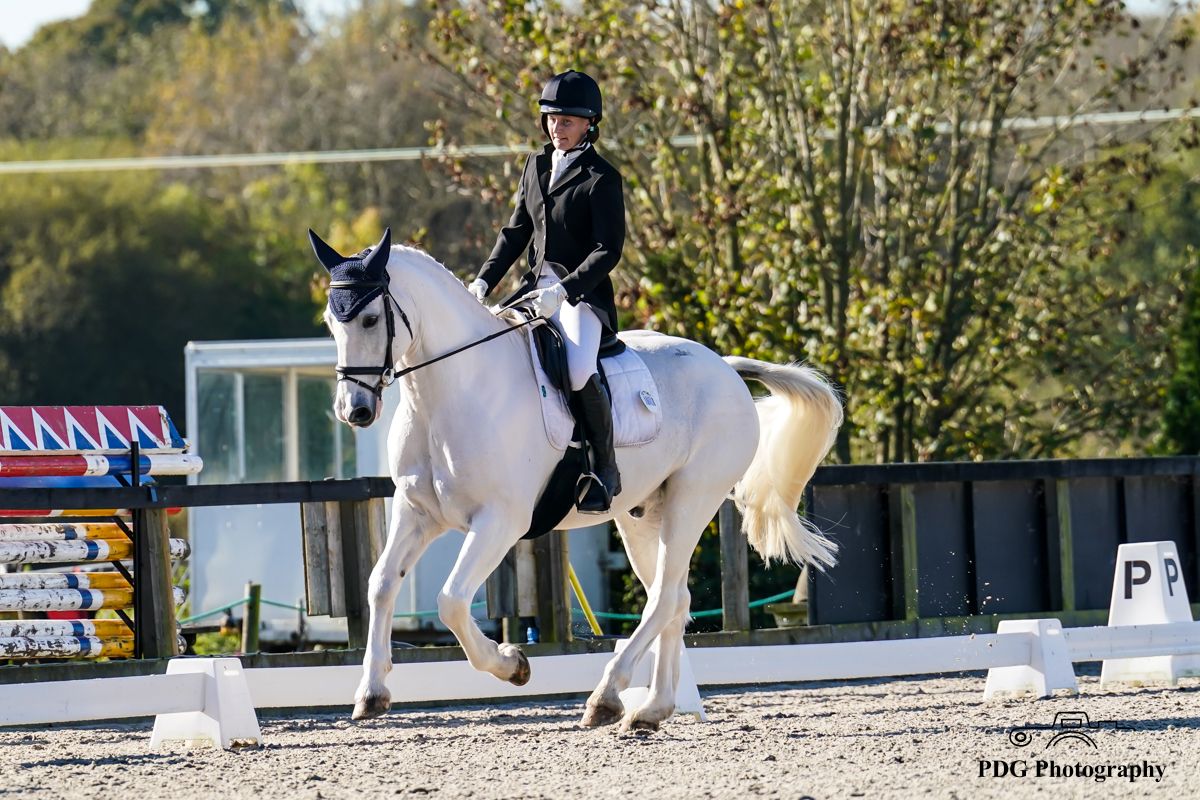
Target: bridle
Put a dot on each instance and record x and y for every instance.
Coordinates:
(386, 372)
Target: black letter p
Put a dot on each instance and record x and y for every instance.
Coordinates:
(1131, 581)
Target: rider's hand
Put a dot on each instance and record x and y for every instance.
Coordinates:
(545, 302)
(479, 288)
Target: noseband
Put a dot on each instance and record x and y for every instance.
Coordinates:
(386, 373)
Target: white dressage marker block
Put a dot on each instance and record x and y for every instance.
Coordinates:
(687, 693)
(227, 718)
(1049, 667)
(1148, 589)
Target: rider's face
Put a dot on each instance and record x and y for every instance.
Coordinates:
(566, 132)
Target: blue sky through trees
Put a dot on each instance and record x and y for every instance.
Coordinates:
(19, 20)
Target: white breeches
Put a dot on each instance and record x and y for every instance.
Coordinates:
(581, 329)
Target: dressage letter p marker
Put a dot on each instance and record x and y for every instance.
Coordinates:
(1131, 581)
(1172, 570)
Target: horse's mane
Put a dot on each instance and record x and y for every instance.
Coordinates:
(408, 259)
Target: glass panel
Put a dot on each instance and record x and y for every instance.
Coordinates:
(321, 435)
(264, 427)
(216, 420)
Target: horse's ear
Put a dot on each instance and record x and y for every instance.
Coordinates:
(328, 257)
(377, 261)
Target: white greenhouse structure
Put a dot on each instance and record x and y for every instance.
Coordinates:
(260, 411)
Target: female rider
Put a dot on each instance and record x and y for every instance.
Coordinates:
(570, 216)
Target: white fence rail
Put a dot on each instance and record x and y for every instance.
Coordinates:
(215, 699)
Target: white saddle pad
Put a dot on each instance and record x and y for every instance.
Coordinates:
(637, 415)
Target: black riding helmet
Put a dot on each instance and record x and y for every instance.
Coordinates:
(574, 94)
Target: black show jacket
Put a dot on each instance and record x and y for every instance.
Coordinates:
(576, 229)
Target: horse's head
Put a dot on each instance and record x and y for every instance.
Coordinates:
(362, 315)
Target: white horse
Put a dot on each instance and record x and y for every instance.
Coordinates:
(468, 451)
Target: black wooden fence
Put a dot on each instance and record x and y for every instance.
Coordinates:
(944, 540)
(920, 543)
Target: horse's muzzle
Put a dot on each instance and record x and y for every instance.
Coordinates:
(361, 416)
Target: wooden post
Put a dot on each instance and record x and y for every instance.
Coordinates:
(526, 580)
(554, 607)
(355, 577)
(342, 542)
(335, 558)
(908, 544)
(154, 597)
(1066, 544)
(735, 570)
(251, 616)
(502, 595)
(359, 521)
(1194, 480)
(315, 536)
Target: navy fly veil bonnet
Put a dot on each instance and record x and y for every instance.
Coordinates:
(367, 269)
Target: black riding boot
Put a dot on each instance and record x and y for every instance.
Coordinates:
(598, 427)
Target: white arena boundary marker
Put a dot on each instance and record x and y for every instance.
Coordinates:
(225, 698)
(295, 687)
(438, 681)
(199, 700)
(1148, 589)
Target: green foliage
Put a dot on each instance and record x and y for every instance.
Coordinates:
(109, 25)
(1182, 415)
(217, 644)
(848, 193)
(852, 197)
(104, 279)
(704, 582)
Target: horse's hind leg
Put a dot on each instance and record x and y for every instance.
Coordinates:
(484, 548)
(691, 500)
(411, 532)
(689, 503)
(640, 537)
(660, 703)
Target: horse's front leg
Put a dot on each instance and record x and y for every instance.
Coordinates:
(490, 537)
(410, 532)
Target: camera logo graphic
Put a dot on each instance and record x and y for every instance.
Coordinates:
(1068, 727)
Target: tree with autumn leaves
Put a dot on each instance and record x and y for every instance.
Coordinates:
(870, 186)
(875, 187)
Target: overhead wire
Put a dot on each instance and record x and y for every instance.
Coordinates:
(360, 156)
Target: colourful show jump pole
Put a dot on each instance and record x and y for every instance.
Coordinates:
(74, 551)
(89, 465)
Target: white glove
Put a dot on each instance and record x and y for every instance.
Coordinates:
(479, 288)
(546, 301)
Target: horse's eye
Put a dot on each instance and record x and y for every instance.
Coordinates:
(370, 321)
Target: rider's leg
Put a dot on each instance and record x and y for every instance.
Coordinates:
(582, 330)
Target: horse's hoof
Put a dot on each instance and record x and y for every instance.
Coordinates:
(634, 725)
(371, 706)
(598, 715)
(523, 673)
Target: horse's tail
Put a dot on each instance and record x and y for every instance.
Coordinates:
(798, 423)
